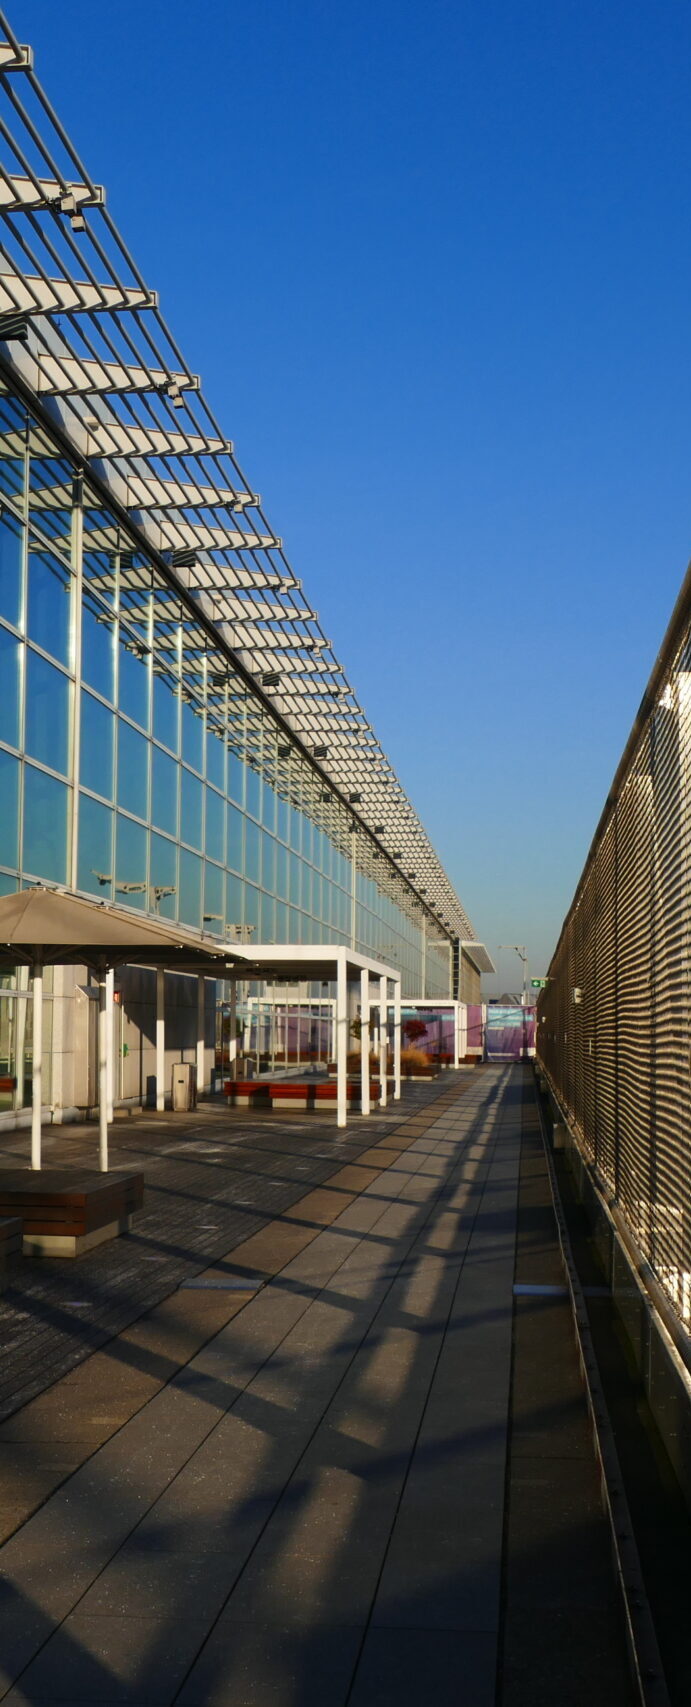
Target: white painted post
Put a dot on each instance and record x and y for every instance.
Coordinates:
(397, 1040)
(103, 1054)
(201, 1016)
(233, 1039)
(110, 1058)
(383, 1039)
(160, 1038)
(37, 1064)
(364, 1042)
(341, 1040)
(456, 1027)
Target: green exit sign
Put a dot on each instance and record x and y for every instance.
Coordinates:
(538, 983)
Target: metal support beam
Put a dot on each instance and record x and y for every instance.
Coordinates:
(233, 1039)
(364, 1042)
(160, 1038)
(397, 1040)
(37, 1064)
(341, 1040)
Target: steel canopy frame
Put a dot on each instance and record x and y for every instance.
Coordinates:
(82, 331)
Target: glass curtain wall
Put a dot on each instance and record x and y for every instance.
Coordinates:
(137, 766)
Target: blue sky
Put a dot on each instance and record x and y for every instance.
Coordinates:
(432, 261)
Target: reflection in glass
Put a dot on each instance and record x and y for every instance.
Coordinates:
(98, 648)
(236, 825)
(213, 832)
(283, 820)
(268, 806)
(48, 619)
(95, 852)
(11, 544)
(193, 734)
(130, 862)
(190, 909)
(45, 826)
(213, 898)
(164, 877)
(12, 426)
(295, 869)
(47, 713)
(282, 922)
(191, 809)
(282, 857)
(10, 657)
(133, 686)
(133, 770)
(96, 746)
(9, 815)
(50, 491)
(252, 908)
(166, 709)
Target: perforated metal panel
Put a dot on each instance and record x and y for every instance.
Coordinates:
(614, 1023)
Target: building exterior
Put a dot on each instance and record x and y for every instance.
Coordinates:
(177, 735)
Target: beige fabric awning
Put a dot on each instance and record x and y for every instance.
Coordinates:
(60, 928)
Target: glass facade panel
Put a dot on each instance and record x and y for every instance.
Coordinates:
(236, 778)
(164, 876)
(96, 746)
(11, 552)
(10, 661)
(190, 911)
(47, 727)
(9, 809)
(213, 898)
(164, 791)
(193, 734)
(133, 683)
(166, 710)
(49, 603)
(98, 648)
(215, 760)
(44, 852)
(131, 884)
(235, 901)
(253, 791)
(214, 839)
(191, 809)
(133, 770)
(95, 845)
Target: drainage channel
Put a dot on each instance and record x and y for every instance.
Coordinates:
(647, 1670)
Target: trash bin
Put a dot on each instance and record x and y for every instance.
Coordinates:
(184, 1087)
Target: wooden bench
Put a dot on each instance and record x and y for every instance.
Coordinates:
(66, 1211)
(298, 1094)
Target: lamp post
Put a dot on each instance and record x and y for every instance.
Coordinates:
(522, 952)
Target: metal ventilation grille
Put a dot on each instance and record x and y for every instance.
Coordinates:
(618, 1057)
(81, 329)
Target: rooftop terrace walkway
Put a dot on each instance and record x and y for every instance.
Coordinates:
(301, 1500)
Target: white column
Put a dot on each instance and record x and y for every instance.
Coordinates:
(383, 1038)
(341, 1040)
(37, 1074)
(397, 1039)
(103, 1054)
(160, 1037)
(110, 1061)
(233, 1039)
(21, 1004)
(456, 1029)
(364, 1042)
(201, 1016)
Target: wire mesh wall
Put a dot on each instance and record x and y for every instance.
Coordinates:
(614, 1029)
